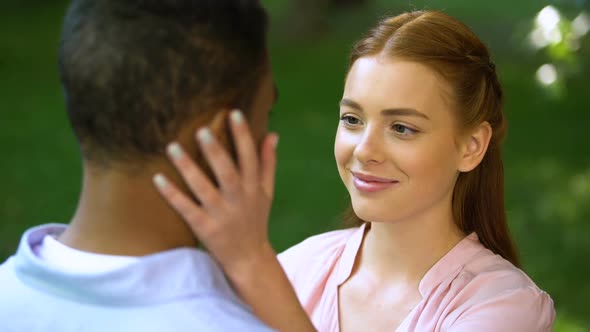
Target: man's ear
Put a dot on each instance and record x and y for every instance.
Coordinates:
(474, 147)
(216, 121)
(220, 128)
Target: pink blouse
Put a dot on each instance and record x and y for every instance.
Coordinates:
(469, 289)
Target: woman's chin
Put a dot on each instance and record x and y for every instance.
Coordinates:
(369, 214)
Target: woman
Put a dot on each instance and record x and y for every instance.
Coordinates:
(419, 149)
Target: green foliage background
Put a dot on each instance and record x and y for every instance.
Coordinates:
(547, 157)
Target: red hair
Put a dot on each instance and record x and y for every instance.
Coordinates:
(452, 50)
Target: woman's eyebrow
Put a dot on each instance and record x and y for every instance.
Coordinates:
(402, 111)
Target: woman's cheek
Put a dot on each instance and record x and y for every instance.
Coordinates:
(343, 147)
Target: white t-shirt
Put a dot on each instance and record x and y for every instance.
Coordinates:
(47, 286)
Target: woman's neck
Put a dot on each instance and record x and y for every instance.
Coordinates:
(404, 250)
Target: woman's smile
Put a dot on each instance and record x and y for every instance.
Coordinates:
(369, 183)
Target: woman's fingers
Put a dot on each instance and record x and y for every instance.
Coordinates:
(256, 174)
(219, 161)
(232, 219)
(186, 207)
(268, 163)
(196, 180)
(245, 148)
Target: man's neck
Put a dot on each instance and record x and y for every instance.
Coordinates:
(123, 214)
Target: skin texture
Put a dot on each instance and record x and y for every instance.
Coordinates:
(397, 125)
(413, 144)
(239, 207)
(416, 145)
(121, 213)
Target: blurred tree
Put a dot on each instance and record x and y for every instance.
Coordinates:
(348, 3)
(307, 18)
(562, 41)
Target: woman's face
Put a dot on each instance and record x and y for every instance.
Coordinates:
(396, 146)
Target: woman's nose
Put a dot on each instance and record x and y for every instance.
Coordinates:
(369, 149)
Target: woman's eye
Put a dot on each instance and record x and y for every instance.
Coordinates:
(403, 130)
(350, 120)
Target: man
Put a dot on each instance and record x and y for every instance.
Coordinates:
(138, 74)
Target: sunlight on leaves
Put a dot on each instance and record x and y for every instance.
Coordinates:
(559, 39)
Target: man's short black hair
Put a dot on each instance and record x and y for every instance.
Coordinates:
(134, 71)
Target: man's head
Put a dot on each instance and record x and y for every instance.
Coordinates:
(138, 72)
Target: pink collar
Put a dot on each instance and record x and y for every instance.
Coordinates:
(443, 271)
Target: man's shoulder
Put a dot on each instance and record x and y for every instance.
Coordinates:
(167, 291)
(218, 313)
(7, 274)
(26, 307)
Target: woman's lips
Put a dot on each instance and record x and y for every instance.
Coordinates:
(370, 184)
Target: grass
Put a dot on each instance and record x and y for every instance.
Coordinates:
(546, 155)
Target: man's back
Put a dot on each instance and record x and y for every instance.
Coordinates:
(137, 75)
(176, 290)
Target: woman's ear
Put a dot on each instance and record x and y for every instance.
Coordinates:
(474, 147)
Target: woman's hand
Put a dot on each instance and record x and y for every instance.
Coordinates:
(231, 219)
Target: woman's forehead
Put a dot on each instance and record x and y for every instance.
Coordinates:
(380, 83)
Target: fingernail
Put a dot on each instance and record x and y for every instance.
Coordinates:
(175, 151)
(160, 181)
(236, 116)
(204, 135)
(275, 141)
